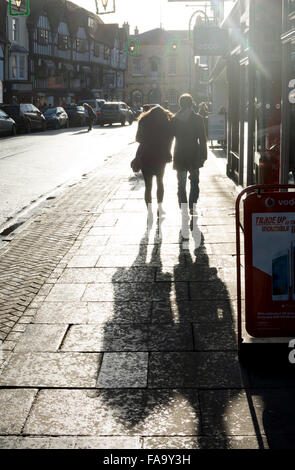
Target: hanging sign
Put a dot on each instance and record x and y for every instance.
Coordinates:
(210, 40)
(269, 230)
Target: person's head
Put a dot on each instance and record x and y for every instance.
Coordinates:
(146, 107)
(185, 101)
(157, 114)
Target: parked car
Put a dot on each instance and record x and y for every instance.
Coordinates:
(76, 114)
(56, 118)
(113, 112)
(26, 116)
(96, 105)
(7, 124)
(137, 111)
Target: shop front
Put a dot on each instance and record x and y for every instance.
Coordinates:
(287, 160)
(254, 72)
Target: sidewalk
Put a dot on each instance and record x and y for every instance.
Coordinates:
(115, 337)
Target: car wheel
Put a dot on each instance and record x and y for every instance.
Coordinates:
(13, 130)
(123, 122)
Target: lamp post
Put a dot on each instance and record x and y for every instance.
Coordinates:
(190, 43)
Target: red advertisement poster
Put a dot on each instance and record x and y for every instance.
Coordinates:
(269, 229)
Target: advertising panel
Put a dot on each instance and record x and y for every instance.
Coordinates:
(216, 127)
(269, 224)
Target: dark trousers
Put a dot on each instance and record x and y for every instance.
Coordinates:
(194, 189)
(148, 180)
(90, 123)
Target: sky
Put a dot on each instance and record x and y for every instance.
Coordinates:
(148, 14)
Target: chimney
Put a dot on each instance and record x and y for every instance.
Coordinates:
(126, 27)
(136, 31)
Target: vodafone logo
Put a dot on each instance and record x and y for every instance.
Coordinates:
(269, 202)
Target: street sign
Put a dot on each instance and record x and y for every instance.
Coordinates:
(269, 232)
(216, 127)
(210, 40)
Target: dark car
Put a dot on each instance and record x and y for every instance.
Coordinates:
(26, 116)
(113, 112)
(76, 114)
(56, 118)
(7, 124)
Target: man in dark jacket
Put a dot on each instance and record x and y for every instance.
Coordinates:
(190, 150)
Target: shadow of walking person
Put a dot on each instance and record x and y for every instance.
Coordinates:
(170, 372)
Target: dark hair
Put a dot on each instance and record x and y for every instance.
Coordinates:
(157, 113)
(185, 101)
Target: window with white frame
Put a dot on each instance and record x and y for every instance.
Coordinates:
(172, 97)
(90, 22)
(171, 65)
(18, 67)
(137, 66)
(15, 28)
(14, 66)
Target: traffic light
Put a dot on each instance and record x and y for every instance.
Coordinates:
(133, 47)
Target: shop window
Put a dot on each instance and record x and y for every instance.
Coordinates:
(137, 66)
(172, 97)
(107, 52)
(14, 66)
(22, 65)
(96, 49)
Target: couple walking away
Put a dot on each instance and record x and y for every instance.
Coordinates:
(156, 130)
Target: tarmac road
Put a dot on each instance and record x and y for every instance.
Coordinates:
(34, 165)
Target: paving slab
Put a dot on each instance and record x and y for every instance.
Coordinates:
(220, 442)
(98, 275)
(51, 370)
(201, 311)
(119, 312)
(123, 370)
(227, 412)
(66, 292)
(194, 369)
(79, 261)
(215, 337)
(114, 412)
(132, 337)
(62, 312)
(212, 290)
(125, 291)
(41, 338)
(15, 406)
(14, 442)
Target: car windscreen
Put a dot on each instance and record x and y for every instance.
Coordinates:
(110, 107)
(74, 109)
(50, 112)
(11, 110)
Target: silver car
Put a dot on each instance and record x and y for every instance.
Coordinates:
(7, 124)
